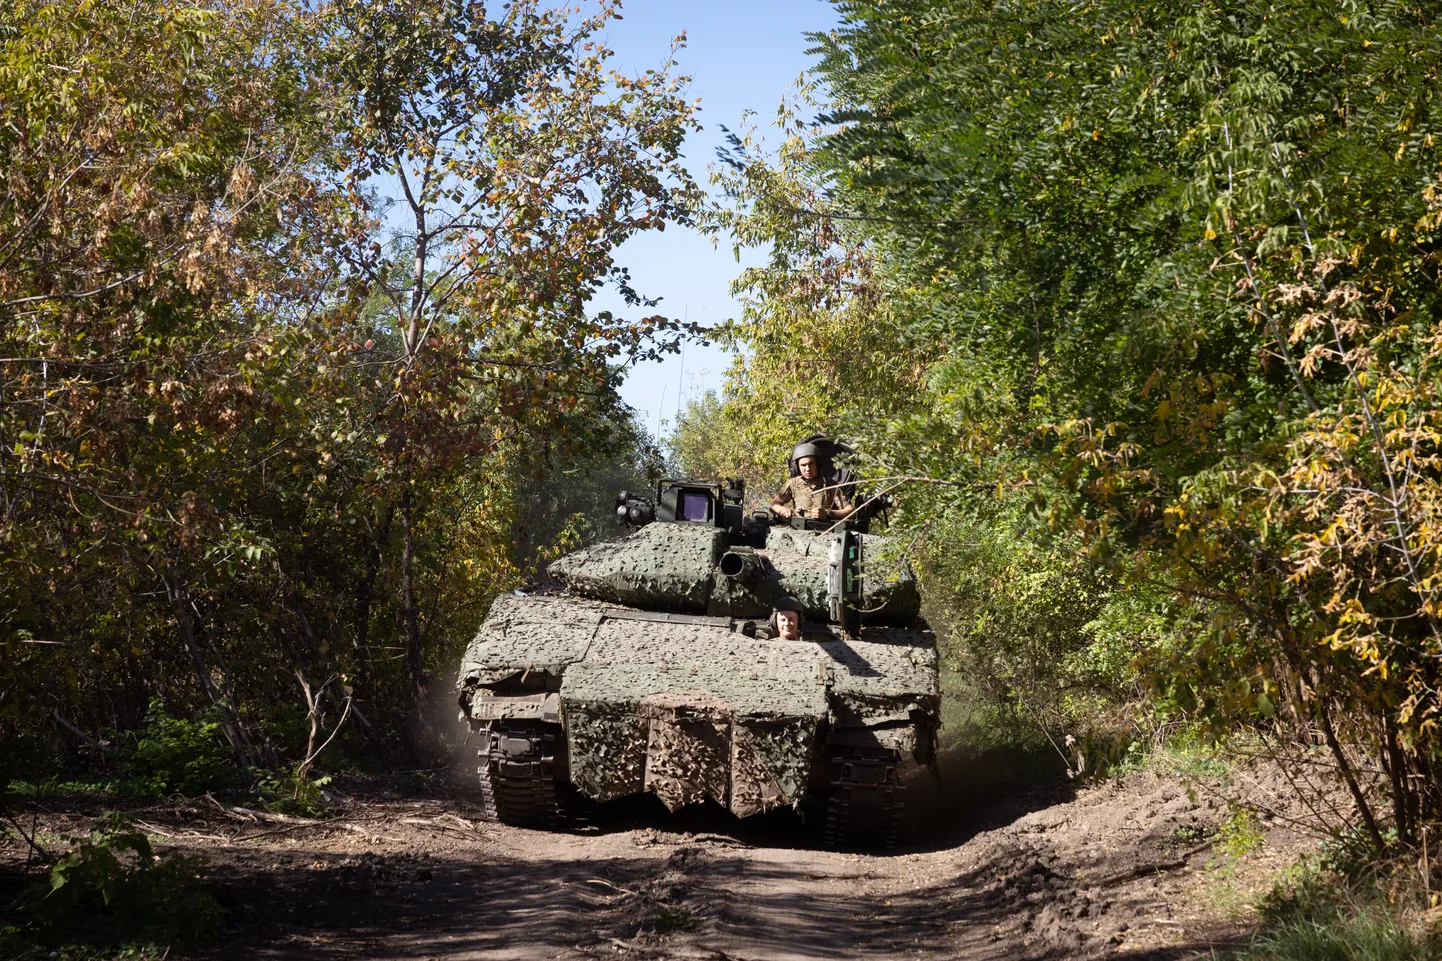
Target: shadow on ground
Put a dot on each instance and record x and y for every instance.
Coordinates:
(694, 903)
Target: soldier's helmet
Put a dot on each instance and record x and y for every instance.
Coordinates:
(823, 448)
(805, 450)
(787, 603)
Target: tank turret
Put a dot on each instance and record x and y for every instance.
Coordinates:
(698, 568)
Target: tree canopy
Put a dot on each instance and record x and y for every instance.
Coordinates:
(295, 324)
(1158, 283)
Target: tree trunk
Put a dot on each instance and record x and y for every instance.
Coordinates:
(1345, 768)
(408, 600)
(230, 719)
(1401, 790)
(365, 595)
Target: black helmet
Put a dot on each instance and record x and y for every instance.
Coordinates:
(786, 603)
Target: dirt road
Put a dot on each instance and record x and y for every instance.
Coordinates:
(1113, 871)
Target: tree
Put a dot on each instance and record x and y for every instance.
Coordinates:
(1175, 259)
(520, 163)
(150, 210)
(246, 427)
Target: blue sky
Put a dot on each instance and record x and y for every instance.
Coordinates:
(741, 55)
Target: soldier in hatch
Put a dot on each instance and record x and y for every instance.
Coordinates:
(786, 619)
(807, 495)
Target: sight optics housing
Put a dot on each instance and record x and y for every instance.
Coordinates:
(682, 500)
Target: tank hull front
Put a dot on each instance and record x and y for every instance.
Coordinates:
(693, 708)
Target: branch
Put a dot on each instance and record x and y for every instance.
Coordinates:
(345, 713)
(312, 703)
(808, 212)
(1378, 438)
(102, 748)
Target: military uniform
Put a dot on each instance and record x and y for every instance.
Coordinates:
(808, 497)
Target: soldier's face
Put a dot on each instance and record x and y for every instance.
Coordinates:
(810, 470)
(788, 625)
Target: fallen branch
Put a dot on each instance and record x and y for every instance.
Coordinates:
(102, 748)
(439, 825)
(155, 829)
(35, 849)
(239, 813)
(470, 825)
(269, 817)
(286, 829)
(357, 829)
(1141, 871)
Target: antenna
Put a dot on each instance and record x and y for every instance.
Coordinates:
(680, 393)
(659, 410)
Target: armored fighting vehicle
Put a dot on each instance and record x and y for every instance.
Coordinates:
(655, 667)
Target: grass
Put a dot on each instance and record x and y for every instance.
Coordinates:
(1190, 755)
(1315, 913)
(1372, 935)
(54, 786)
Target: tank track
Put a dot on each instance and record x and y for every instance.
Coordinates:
(518, 774)
(865, 804)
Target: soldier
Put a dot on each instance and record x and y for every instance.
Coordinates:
(807, 494)
(786, 619)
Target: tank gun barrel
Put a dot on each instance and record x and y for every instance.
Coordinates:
(743, 566)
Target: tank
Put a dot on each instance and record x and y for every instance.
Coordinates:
(651, 665)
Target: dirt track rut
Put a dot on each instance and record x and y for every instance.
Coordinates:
(1115, 871)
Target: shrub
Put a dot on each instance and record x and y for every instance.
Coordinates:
(111, 891)
(1240, 834)
(290, 792)
(180, 756)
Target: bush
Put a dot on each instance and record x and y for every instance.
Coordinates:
(180, 756)
(1013, 616)
(111, 891)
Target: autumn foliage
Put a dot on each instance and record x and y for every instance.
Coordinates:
(293, 308)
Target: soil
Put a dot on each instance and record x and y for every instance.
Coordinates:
(1134, 868)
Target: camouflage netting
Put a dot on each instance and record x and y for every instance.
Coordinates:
(694, 708)
(674, 567)
(689, 733)
(661, 565)
(879, 688)
(520, 634)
